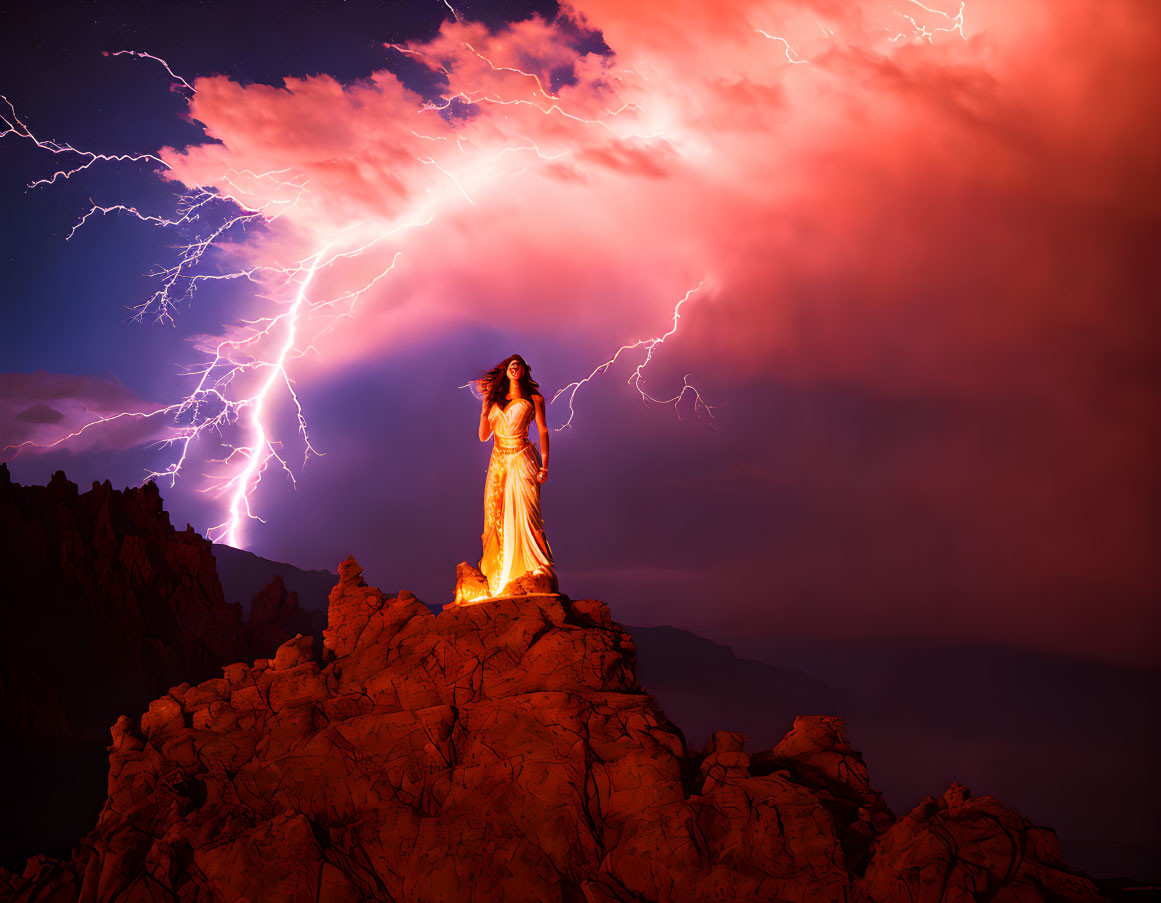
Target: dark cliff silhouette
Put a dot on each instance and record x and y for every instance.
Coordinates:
(104, 607)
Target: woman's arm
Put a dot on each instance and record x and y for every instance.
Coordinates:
(542, 425)
(485, 423)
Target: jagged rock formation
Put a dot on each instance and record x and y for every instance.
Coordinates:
(504, 751)
(104, 607)
(275, 617)
(958, 848)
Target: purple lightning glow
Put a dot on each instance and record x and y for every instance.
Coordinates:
(314, 267)
(244, 370)
(650, 346)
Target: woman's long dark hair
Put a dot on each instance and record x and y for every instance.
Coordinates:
(496, 381)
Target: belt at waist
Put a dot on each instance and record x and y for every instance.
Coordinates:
(500, 449)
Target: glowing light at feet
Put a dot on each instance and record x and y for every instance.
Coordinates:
(650, 346)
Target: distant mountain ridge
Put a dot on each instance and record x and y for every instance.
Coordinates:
(244, 574)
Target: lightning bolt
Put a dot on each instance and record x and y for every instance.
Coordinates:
(553, 106)
(246, 372)
(243, 374)
(10, 124)
(785, 43)
(177, 79)
(261, 448)
(649, 346)
(455, 12)
(920, 31)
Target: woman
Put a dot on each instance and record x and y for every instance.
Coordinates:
(514, 540)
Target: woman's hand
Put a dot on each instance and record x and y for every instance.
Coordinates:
(542, 475)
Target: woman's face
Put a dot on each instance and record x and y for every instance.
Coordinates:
(515, 370)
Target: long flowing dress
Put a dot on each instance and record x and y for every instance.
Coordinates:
(514, 540)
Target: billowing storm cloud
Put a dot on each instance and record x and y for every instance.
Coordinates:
(839, 178)
(924, 241)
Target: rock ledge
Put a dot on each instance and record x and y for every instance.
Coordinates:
(501, 752)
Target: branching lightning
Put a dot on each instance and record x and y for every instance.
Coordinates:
(10, 124)
(177, 79)
(785, 44)
(237, 383)
(922, 31)
(943, 23)
(650, 346)
(246, 373)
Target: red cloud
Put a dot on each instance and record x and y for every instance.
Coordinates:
(39, 409)
(879, 186)
(968, 219)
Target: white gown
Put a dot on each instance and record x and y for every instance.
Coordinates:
(514, 540)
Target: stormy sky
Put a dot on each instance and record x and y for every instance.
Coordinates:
(925, 246)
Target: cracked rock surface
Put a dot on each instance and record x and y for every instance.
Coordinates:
(504, 751)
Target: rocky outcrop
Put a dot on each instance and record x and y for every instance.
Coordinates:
(276, 617)
(104, 607)
(817, 754)
(958, 848)
(503, 751)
